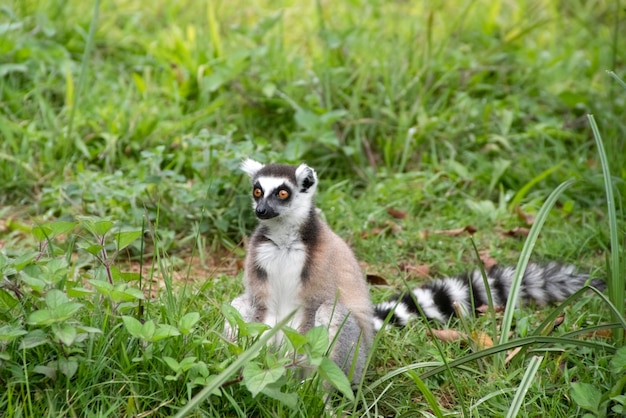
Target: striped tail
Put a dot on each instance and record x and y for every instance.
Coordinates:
(542, 284)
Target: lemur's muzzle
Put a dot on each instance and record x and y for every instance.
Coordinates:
(264, 211)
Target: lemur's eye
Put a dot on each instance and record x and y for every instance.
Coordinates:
(257, 192)
(283, 194)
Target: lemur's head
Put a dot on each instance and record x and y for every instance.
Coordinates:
(281, 191)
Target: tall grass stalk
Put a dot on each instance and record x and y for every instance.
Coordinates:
(616, 279)
(525, 384)
(525, 257)
(83, 74)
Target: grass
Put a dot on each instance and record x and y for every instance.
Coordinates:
(122, 210)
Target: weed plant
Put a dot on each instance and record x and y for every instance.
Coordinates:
(122, 211)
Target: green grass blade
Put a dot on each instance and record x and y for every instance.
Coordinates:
(519, 196)
(616, 280)
(525, 384)
(525, 257)
(616, 78)
(522, 342)
(428, 395)
(83, 70)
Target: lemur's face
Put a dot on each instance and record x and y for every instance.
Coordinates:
(281, 191)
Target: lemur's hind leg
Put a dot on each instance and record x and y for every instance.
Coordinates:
(243, 304)
(345, 336)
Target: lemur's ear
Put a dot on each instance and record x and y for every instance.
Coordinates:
(251, 167)
(306, 178)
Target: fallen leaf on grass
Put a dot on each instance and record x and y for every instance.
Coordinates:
(388, 228)
(528, 218)
(420, 271)
(604, 333)
(482, 309)
(396, 213)
(512, 354)
(447, 335)
(487, 260)
(517, 232)
(376, 280)
(470, 229)
(482, 340)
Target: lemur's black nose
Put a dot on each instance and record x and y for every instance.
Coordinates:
(265, 211)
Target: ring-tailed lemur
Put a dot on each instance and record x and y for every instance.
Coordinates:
(542, 284)
(295, 261)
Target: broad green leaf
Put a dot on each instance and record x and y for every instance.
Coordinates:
(102, 227)
(256, 379)
(172, 363)
(187, 363)
(25, 259)
(41, 317)
(42, 232)
(123, 293)
(618, 362)
(187, 323)
(102, 286)
(10, 333)
(68, 366)
(317, 338)
(124, 239)
(89, 330)
(133, 326)
(56, 264)
(586, 396)
(49, 372)
(335, 376)
(74, 292)
(98, 227)
(274, 392)
(66, 310)
(148, 329)
(65, 333)
(296, 339)
(93, 249)
(35, 283)
(61, 227)
(55, 298)
(165, 331)
(33, 339)
(7, 300)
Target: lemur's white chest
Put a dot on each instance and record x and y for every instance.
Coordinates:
(283, 265)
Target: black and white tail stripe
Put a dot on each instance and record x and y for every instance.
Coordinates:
(542, 284)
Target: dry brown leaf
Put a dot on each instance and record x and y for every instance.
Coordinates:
(420, 271)
(396, 213)
(482, 340)
(376, 280)
(423, 234)
(604, 333)
(485, 308)
(470, 229)
(487, 260)
(388, 228)
(393, 227)
(558, 321)
(527, 218)
(447, 335)
(512, 354)
(517, 232)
